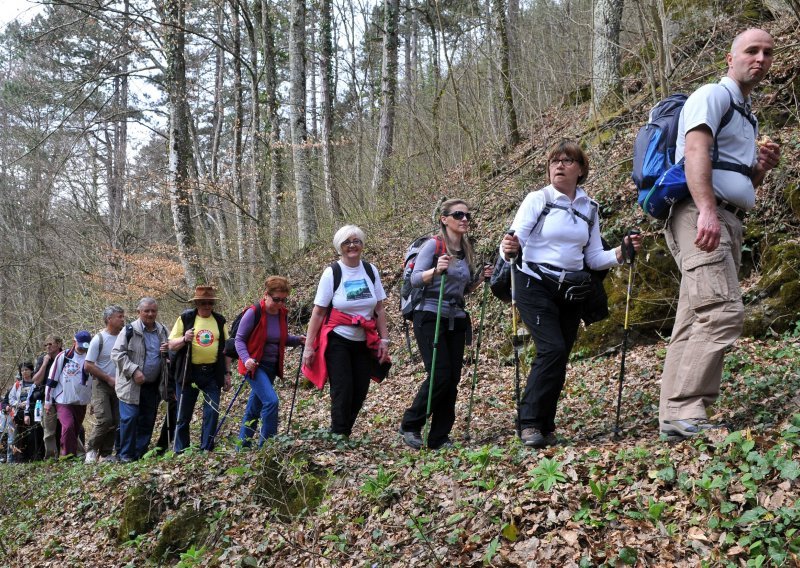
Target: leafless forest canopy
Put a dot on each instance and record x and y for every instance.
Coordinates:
(150, 145)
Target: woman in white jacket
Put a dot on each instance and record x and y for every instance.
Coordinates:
(557, 230)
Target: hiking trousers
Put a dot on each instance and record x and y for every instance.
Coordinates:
(710, 313)
(447, 375)
(106, 414)
(349, 365)
(50, 428)
(553, 324)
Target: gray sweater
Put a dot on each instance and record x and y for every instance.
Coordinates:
(458, 280)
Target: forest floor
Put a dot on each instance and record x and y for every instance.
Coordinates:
(307, 499)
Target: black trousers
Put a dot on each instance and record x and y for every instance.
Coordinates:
(349, 364)
(553, 323)
(449, 361)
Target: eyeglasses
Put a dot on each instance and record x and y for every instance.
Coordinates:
(278, 300)
(205, 302)
(564, 161)
(459, 215)
(353, 243)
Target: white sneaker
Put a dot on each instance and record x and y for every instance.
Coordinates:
(91, 456)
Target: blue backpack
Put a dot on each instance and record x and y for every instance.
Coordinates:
(660, 181)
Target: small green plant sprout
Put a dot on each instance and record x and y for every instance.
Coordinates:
(545, 475)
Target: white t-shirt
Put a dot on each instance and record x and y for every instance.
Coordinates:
(71, 388)
(736, 141)
(356, 295)
(103, 359)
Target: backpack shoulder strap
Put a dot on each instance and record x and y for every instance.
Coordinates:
(548, 206)
(337, 275)
(367, 268)
(726, 118)
(128, 332)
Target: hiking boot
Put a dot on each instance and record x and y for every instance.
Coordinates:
(682, 428)
(550, 439)
(111, 458)
(533, 437)
(411, 439)
(91, 456)
(446, 445)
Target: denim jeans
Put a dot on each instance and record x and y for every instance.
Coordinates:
(263, 403)
(187, 398)
(137, 422)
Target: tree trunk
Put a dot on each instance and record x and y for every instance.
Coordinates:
(179, 152)
(509, 112)
(275, 153)
(306, 222)
(380, 175)
(215, 202)
(606, 82)
(236, 166)
(117, 186)
(327, 97)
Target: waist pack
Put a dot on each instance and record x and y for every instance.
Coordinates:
(572, 287)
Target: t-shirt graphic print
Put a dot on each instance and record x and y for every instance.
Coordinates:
(357, 290)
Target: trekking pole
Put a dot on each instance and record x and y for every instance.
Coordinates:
(180, 398)
(166, 396)
(294, 394)
(433, 361)
(630, 255)
(515, 340)
(475, 358)
(224, 416)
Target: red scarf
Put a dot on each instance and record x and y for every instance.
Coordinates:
(258, 339)
(317, 373)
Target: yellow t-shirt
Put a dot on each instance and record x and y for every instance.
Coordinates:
(206, 339)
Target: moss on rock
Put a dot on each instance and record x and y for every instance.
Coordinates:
(291, 485)
(791, 194)
(653, 300)
(189, 526)
(139, 513)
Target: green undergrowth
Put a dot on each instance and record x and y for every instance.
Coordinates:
(727, 499)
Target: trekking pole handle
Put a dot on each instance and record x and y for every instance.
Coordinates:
(628, 250)
(510, 233)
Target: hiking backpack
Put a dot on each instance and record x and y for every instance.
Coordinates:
(659, 180)
(230, 343)
(410, 297)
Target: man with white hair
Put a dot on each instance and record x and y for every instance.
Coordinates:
(140, 355)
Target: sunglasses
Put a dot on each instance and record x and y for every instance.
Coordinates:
(278, 300)
(353, 243)
(459, 215)
(205, 302)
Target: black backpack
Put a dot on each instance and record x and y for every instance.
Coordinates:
(230, 343)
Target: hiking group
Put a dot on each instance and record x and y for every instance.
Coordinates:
(548, 267)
